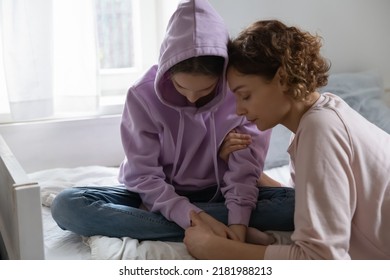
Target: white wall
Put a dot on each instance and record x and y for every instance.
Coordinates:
(67, 143)
(355, 32)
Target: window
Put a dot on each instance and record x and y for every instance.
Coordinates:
(96, 50)
(149, 19)
(118, 30)
(115, 22)
(128, 46)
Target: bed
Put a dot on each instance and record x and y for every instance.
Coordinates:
(29, 232)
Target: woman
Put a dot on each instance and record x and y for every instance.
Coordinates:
(339, 160)
(175, 118)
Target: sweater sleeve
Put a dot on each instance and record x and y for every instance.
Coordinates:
(324, 190)
(245, 166)
(141, 172)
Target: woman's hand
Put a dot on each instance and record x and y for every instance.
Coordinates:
(198, 237)
(233, 142)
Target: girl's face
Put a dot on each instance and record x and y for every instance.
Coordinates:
(260, 101)
(194, 86)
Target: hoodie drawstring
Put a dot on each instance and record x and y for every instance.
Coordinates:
(215, 154)
(180, 134)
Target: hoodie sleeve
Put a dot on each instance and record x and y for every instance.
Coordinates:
(245, 167)
(141, 172)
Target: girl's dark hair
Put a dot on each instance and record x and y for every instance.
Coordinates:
(265, 46)
(206, 65)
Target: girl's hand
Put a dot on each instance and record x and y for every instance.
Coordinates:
(233, 142)
(217, 227)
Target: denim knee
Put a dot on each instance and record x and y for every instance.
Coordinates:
(62, 208)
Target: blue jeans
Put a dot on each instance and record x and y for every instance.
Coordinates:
(114, 212)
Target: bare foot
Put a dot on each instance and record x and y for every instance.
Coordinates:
(256, 236)
(143, 207)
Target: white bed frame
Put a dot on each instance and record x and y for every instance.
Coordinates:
(20, 210)
(72, 143)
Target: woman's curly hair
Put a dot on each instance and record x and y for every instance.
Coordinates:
(265, 46)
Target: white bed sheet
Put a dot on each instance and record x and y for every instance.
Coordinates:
(60, 244)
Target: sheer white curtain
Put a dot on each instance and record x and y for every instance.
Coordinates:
(76, 69)
(49, 57)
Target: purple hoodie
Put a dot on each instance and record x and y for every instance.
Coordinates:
(171, 145)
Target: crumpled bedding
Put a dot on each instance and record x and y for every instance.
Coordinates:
(126, 248)
(60, 244)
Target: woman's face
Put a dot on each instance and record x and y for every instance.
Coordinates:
(194, 86)
(260, 101)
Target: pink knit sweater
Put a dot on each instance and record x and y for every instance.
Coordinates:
(340, 165)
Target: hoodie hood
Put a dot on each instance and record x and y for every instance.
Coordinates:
(200, 31)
